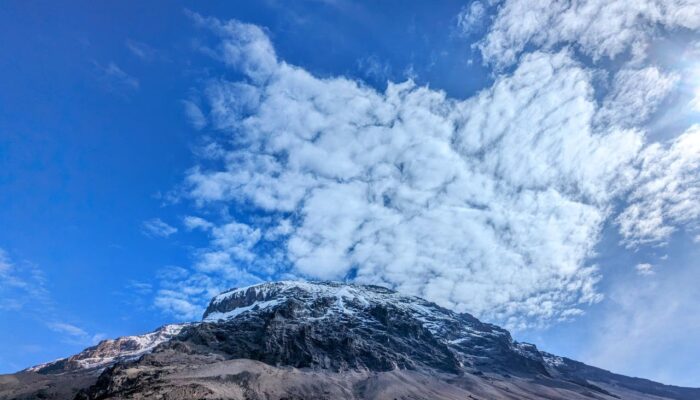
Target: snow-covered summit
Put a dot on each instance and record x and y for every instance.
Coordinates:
(365, 314)
(237, 301)
(314, 288)
(356, 304)
(337, 299)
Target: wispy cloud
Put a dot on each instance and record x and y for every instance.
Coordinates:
(374, 69)
(23, 289)
(192, 222)
(142, 288)
(69, 329)
(155, 227)
(74, 334)
(650, 328)
(194, 114)
(20, 284)
(185, 295)
(644, 269)
(114, 79)
(143, 50)
(472, 17)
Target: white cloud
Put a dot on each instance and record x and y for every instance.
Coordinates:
(662, 199)
(142, 50)
(192, 222)
(491, 205)
(174, 303)
(472, 17)
(644, 269)
(374, 68)
(115, 79)
(194, 114)
(142, 288)
(185, 294)
(635, 95)
(245, 46)
(666, 193)
(155, 227)
(66, 328)
(74, 334)
(237, 239)
(231, 243)
(599, 28)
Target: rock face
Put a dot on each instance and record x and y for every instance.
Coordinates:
(297, 340)
(342, 327)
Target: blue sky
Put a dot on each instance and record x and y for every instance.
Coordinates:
(542, 179)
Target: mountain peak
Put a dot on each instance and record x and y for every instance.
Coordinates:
(234, 302)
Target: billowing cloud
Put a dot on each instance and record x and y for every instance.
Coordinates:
(599, 28)
(492, 204)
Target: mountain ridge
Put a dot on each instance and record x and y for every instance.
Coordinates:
(110, 351)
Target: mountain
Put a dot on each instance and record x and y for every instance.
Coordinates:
(325, 340)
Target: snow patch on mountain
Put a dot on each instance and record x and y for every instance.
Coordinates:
(110, 351)
(257, 306)
(348, 298)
